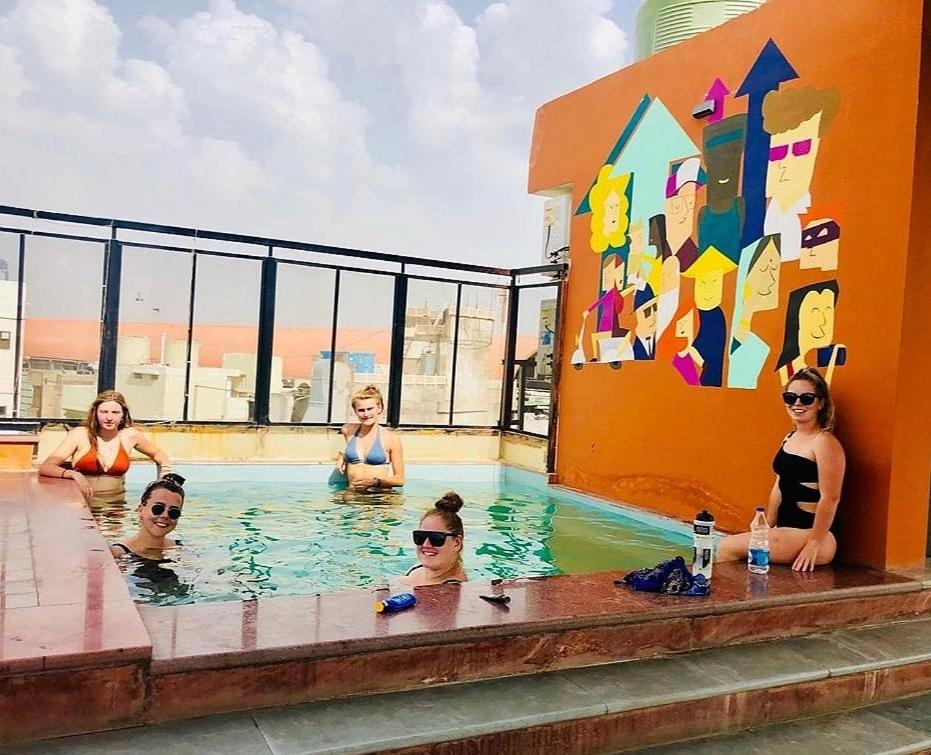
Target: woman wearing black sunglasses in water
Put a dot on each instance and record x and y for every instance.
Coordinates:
(159, 512)
(439, 545)
(809, 467)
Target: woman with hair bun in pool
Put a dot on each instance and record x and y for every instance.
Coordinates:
(159, 511)
(98, 451)
(373, 459)
(439, 545)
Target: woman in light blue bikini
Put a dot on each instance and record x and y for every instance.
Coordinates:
(373, 459)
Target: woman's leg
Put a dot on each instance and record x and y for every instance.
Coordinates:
(733, 547)
(785, 543)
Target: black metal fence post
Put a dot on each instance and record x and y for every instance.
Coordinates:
(110, 315)
(396, 363)
(510, 346)
(266, 339)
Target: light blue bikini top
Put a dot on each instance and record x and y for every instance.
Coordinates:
(376, 454)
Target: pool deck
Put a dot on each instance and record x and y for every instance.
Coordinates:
(77, 655)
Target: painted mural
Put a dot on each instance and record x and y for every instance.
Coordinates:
(699, 243)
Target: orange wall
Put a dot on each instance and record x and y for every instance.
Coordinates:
(642, 435)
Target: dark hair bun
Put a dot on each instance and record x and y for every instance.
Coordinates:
(174, 477)
(450, 502)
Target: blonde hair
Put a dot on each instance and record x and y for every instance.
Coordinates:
(370, 391)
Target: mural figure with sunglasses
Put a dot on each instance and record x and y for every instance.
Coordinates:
(439, 545)
(96, 454)
(373, 459)
(159, 511)
(809, 467)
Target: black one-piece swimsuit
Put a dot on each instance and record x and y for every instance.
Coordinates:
(793, 470)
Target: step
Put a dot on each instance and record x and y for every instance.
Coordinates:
(902, 726)
(604, 708)
(222, 657)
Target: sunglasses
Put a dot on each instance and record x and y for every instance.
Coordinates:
(157, 509)
(782, 151)
(807, 398)
(437, 539)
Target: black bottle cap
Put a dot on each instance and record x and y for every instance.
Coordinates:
(704, 516)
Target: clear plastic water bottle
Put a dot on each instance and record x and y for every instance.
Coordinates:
(758, 555)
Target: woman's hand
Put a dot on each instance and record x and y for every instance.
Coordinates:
(341, 464)
(83, 485)
(363, 483)
(807, 559)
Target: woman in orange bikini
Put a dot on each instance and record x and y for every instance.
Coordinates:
(98, 451)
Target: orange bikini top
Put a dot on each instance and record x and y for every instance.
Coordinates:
(90, 464)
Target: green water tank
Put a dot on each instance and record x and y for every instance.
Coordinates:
(663, 23)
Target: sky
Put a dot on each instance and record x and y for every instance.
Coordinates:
(399, 126)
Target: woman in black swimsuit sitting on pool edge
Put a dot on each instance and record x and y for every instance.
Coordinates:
(439, 545)
(374, 458)
(809, 467)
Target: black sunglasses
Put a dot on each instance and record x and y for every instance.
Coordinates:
(807, 398)
(437, 539)
(174, 512)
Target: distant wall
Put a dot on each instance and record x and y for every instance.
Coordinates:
(786, 226)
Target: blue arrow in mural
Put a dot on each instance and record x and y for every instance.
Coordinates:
(765, 75)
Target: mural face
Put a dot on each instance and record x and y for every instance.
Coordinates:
(762, 287)
(609, 203)
(665, 210)
(724, 144)
(792, 156)
(820, 245)
(816, 321)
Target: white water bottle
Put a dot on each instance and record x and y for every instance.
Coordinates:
(758, 552)
(702, 544)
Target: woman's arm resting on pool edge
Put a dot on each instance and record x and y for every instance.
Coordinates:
(147, 447)
(831, 465)
(53, 466)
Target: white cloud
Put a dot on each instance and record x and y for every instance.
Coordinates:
(392, 126)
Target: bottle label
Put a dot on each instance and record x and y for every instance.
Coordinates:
(758, 557)
(702, 529)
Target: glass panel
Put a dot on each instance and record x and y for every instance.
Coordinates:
(480, 363)
(303, 328)
(226, 310)
(10, 367)
(152, 344)
(429, 330)
(363, 338)
(61, 332)
(533, 360)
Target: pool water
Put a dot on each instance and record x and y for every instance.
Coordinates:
(260, 538)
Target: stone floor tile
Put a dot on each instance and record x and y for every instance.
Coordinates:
(218, 735)
(380, 722)
(857, 733)
(643, 684)
(913, 712)
(764, 664)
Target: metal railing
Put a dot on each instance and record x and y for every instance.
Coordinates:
(275, 257)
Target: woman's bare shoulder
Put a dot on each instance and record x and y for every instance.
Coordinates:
(827, 443)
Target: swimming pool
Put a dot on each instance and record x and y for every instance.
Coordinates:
(253, 531)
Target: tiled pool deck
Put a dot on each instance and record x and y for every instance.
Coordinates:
(76, 654)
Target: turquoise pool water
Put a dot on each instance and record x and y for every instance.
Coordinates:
(258, 531)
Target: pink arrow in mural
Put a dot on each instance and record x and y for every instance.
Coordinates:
(716, 94)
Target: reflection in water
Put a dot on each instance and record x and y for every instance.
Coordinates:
(257, 539)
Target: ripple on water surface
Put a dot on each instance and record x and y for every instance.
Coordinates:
(256, 539)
